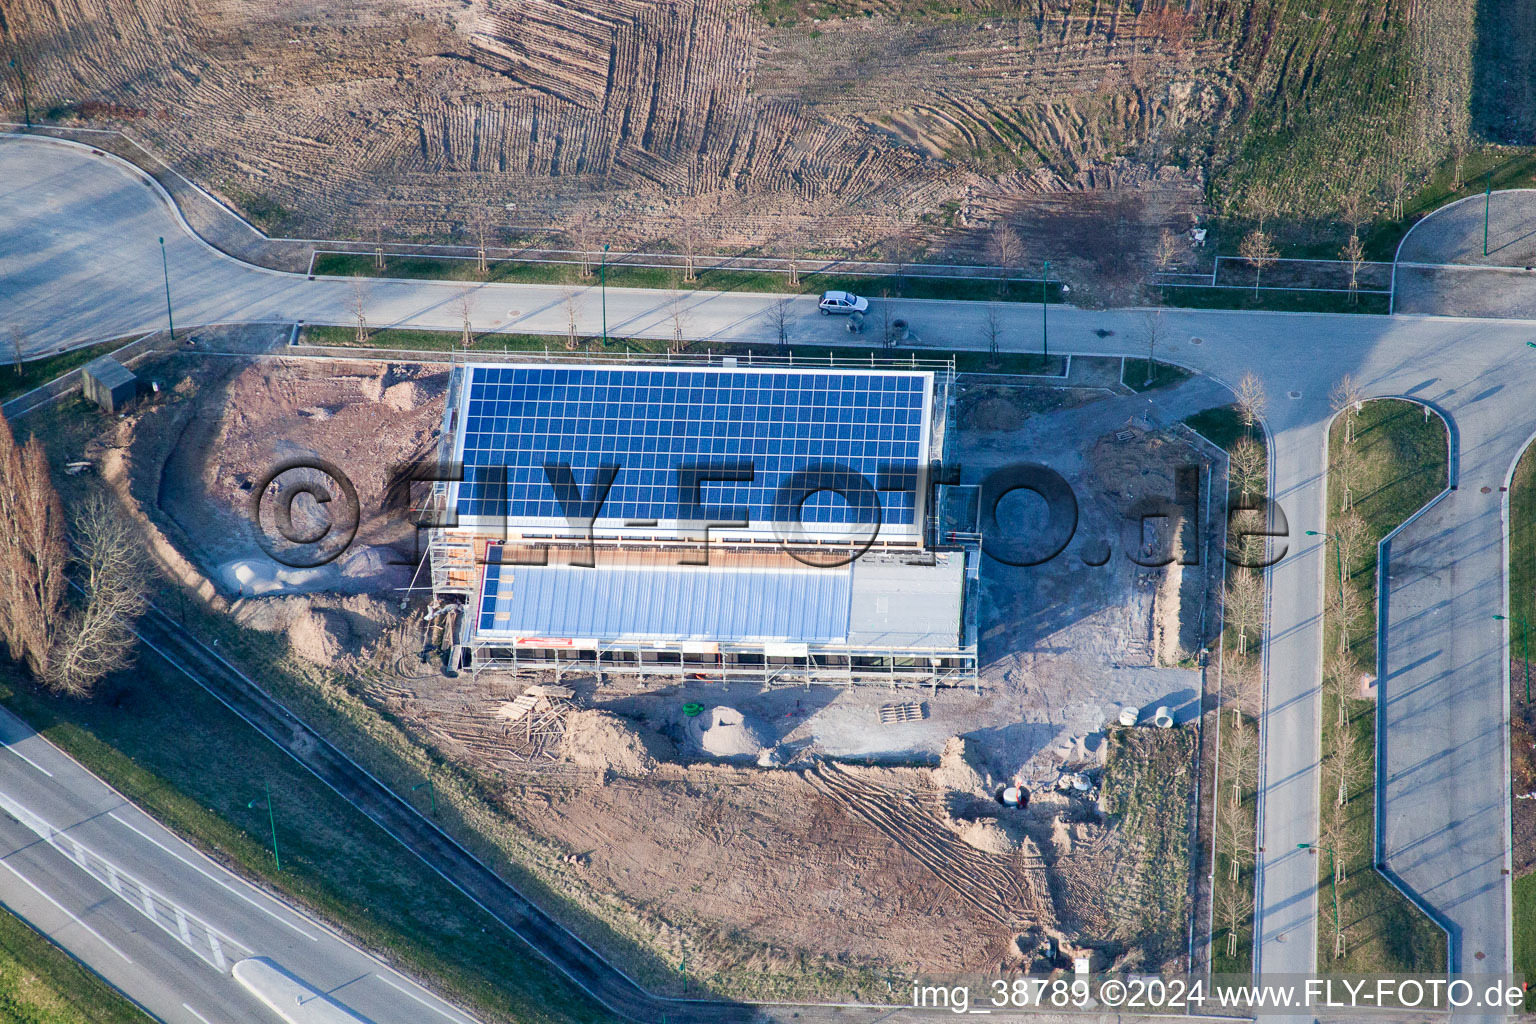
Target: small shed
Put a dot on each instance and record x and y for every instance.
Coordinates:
(109, 384)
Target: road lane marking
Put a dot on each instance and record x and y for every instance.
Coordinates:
(65, 910)
(106, 873)
(407, 992)
(27, 759)
(213, 878)
(218, 951)
(194, 1013)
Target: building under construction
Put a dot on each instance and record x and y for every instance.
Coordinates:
(772, 522)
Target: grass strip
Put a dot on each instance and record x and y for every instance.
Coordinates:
(1400, 465)
(42, 984)
(623, 275)
(336, 862)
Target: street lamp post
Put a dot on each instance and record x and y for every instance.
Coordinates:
(272, 821)
(1338, 557)
(603, 280)
(431, 793)
(1487, 199)
(1525, 648)
(1334, 876)
(1045, 324)
(26, 106)
(165, 268)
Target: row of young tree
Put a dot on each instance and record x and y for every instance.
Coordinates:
(1346, 761)
(70, 589)
(1244, 617)
(1258, 247)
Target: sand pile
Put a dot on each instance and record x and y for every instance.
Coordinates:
(725, 732)
(605, 742)
(956, 772)
(319, 635)
(402, 397)
(987, 835)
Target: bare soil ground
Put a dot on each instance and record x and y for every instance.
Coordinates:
(223, 425)
(899, 122)
(869, 853)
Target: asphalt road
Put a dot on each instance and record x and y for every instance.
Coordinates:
(81, 263)
(153, 916)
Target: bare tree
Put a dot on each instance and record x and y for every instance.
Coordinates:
(1152, 331)
(581, 236)
(18, 344)
(679, 316)
(360, 308)
(887, 315)
(378, 243)
(1243, 605)
(1247, 466)
(1251, 401)
(1347, 762)
(780, 316)
(1339, 679)
(791, 249)
(466, 303)
(1235, 836)
(1346, 399)
(97, 638)
(1353, 254)
(1257, 248)
(569, 303)
(1241, 751)
(1261, 204)
(690, 249)
(992, 328)
(1354, 207)
(1236, 910)
(1346, 472)
(480, 223)
(33, 555)
(1397, 184)
(1005, 249)
(1169, 253)
(1458, 163)
(1349, 534)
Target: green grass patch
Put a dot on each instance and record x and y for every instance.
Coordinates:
(406, 339)
(37, 372)
(1163, 375)
(1222, 426)
(1147, 781)
(1525, 932)
(619, 275)
(1277, 301)
(1235, 826)
(1522, 731)
(42, 984)
(1402, 465)
(336, 862)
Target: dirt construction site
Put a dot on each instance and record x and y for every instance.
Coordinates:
(781, 840)
(907, 126)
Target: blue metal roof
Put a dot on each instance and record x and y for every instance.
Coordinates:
(685, 602)
(650, 422)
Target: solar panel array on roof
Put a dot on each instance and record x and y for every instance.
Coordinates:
(650, 422)
(803, 605)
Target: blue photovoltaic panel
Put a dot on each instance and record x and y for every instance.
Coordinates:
(805, 605)
(649, 422)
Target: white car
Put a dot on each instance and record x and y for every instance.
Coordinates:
(842, 302)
